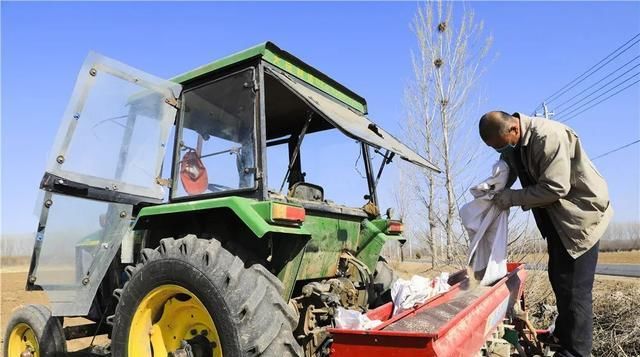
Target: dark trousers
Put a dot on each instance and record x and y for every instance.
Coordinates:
(572, 283)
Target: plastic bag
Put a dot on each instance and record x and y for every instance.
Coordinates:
(353, 320)
(441, 283)
(408, 293)
(347, 319)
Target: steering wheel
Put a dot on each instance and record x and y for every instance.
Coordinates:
(193, 173)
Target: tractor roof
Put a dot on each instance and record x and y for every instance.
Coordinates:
(298, 77)
(285, 61)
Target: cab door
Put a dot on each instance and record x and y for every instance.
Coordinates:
(106, 158)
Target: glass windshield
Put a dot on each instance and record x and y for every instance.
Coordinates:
(217, 146)
(322, 155)
(113, 134)
(79, 239)
(114, 139)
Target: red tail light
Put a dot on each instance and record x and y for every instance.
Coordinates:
(395, 227)
(287, 214)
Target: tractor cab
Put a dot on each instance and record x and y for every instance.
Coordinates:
(227, 125)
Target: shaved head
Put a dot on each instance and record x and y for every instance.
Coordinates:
(495, 124)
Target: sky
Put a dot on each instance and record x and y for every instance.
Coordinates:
(538, 47)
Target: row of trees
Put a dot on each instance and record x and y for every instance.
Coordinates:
(16, 245)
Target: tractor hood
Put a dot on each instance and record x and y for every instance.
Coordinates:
(351, 122)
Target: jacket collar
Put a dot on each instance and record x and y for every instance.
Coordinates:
(525, 128)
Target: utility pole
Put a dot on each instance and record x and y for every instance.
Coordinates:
(545, 112)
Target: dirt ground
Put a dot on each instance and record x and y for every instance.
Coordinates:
(629, 257)
(12, 283)
(614, 294)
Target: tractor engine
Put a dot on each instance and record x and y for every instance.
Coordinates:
(319, 300)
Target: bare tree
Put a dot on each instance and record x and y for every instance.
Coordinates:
(450, 59)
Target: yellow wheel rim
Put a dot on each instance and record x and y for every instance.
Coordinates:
(168, 319)
(22, 339)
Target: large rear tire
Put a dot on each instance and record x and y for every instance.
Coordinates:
(194, 294)
(383, 278)
(33, 331)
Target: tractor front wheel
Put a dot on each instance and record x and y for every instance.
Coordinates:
(193, 297)
(32, 331)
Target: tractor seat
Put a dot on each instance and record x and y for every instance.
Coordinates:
(307, 192)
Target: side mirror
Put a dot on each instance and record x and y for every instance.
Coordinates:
(389, 213)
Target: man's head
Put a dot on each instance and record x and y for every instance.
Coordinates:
(500, 130)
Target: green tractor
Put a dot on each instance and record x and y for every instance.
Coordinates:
(159, 226)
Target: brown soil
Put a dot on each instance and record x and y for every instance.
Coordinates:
(629, 257)
(626, 292)
(12, 283)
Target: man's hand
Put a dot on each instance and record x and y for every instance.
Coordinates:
(502, 199)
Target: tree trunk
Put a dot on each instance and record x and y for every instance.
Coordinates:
(432, 223)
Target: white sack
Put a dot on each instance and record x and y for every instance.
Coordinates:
(487, 226)
(441, 283)
(405, 294)
(353, 320)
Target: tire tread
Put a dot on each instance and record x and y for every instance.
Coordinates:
(266, 329)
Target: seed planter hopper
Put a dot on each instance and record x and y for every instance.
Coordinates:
(454, 323)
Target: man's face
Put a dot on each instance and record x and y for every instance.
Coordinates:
(509, 139)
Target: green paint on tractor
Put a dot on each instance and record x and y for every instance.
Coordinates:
(255, 214)
(287, 62)
(329, 234)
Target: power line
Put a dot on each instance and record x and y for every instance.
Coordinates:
(580, 78)
(616, 149)
(601, 79)
(556, 95)
(582, 111)
(597, 90)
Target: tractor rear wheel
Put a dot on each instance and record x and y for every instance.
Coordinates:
(384, 274)
(383, 278)
(32, 331)
(193, 297)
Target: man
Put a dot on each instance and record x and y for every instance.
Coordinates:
(570, 203)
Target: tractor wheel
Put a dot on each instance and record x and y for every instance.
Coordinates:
(384, 274)
(32, 331)
(193, 297)
(383, 278)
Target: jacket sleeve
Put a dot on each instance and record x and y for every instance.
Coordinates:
(513, 175)
(554, 165)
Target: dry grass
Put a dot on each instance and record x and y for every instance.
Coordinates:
(617, 321)
(616, 312)
(630, 257)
